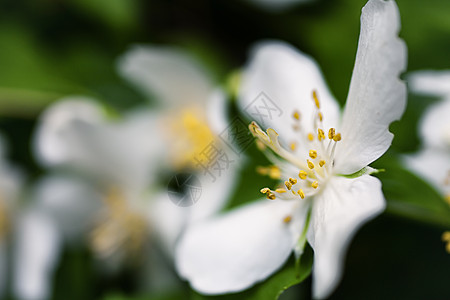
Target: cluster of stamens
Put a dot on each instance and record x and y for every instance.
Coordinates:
(119, 229)
(314, 171)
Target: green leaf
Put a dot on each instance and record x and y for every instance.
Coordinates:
(409, 196)
(275, 285)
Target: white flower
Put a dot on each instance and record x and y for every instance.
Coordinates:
(104, 167)
(27, 239)
(311, 150)
(108, 171)
(432, 162)
(192, 113)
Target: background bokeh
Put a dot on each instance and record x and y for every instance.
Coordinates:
(53, 48)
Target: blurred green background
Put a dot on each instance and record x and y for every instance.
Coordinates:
(53, 48)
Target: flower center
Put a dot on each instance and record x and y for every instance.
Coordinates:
(307, 170)
(120, 230)
(190, 135)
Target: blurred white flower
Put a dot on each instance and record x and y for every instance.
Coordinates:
(109, 170)
(27, 238)
(328, 193)
(105, 170)
(192, 114)
(432, 162)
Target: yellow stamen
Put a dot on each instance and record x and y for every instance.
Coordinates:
(287, 219)
(265, 190)
(301, 193)
(293, 146)
(302, 174)
(337, 137)
(292, 181)
(321, 134)
(270, 196)
(320, 116)
(191, 134)
(315, 184)
(331, 133)
(119, 229)
(316, 99)
(280, 190)
(446, 239)
(288, 185)
(296, 115)
(321, 163)
(310, 164)
(310, 137)
(272, 171)
(313, 154)
(446, 236)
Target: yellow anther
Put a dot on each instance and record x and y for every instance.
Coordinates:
(271, 171)
(280, 190)
(446, 239)
(293, 146)
(274, 172)
(446, 236)
(313, 154)
(302, 174)
(301, 193)
(270, 196)
(292, 181)
(310, 164)
(288, 185)
(320, 116)
(265, 190)
(337, 137)
(321, 163)
(321, 134)
(310, 137)
(296, 115)
(315, 184)
(331, 133)
(316, 99)
(287, 219)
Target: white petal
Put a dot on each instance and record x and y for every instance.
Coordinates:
(168, 73)
(71, 202)
(236, 250)
(376, 96)
(75, 134)
(169, 220)
(435, 126)
(37, 250)
(288, 78)
(433, 83)
(54, 139)
(338, 212)
(432, 165)
(217, 111)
